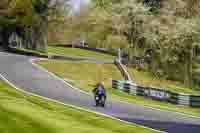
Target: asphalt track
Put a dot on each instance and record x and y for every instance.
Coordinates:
(91, 59)
(23, 74)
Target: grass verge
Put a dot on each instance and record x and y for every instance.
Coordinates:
(77, 52)
(84, 75)
(21, 113)
(39, 53)
(146, 79)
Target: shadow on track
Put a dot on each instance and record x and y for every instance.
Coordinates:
(171, 127)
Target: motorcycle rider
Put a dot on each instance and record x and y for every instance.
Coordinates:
(99, 91)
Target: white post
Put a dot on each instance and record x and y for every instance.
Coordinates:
(20, 43)
(83, 43)
(119, 56)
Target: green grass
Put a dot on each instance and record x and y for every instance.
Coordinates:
(36, 52)
(148, 80)
(21, 113)
(77, 52)
(84, 75)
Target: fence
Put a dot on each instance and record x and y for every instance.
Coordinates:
(156, 93)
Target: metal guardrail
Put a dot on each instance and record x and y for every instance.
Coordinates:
(122, 69)
(156, 93)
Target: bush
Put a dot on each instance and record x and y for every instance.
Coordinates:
(115, 42)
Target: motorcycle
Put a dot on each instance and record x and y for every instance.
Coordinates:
(100, 100)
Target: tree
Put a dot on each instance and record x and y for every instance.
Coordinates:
(187, 37)
(129, 17)
(29, 19)
(173, 37)
(5, 23)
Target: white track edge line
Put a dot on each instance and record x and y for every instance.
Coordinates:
(55, 76)
(75, 107)
(84, 92)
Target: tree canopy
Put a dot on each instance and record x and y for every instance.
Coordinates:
(169, 29)
(27, 18)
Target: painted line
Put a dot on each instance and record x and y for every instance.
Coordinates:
(75, 107)
(84, 92)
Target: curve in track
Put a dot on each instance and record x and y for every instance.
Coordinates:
(23, 74)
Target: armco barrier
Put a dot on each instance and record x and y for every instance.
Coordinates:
(133, 89)
(156, 93)
(195, 101)
(173, 98)
(184, 100)
(122, 69)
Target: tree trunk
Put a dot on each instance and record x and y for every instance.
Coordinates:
(5, 39)
(153, 63)
(188, 70)
(135, 50)
(129, 56)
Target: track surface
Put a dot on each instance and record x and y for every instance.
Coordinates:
(19, 71)
(91, 59)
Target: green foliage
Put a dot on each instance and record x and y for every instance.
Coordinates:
(21, 10)
(29, 19)
(171, 34)
(115, 42)
(5, 22)
(40, 6)
(173, 40)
